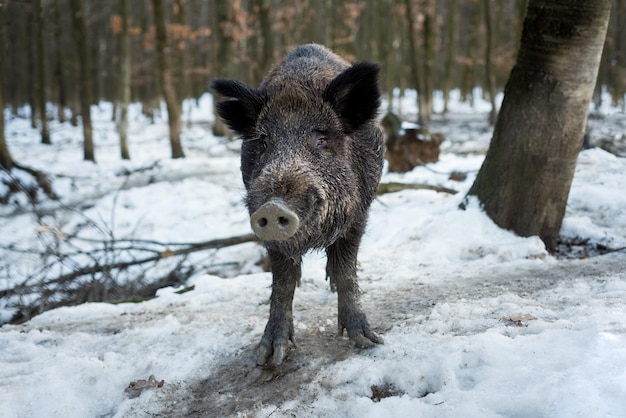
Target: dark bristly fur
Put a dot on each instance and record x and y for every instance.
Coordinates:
(311, 141)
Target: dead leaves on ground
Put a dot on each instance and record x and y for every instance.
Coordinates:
(137, 387)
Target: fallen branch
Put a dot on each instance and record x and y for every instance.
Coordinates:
(96, 268)
(121, 265)
(396, 187)
(16, 184)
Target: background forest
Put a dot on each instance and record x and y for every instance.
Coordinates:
(134, 288)
(128, 57)
(429, 45)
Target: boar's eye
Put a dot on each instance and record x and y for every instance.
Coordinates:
(262, 143)
(320, 140)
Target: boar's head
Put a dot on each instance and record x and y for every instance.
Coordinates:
(309, 145)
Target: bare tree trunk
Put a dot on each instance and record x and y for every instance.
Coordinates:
(525, 179)
(266, 38)
(58, 64)
(422, 59)
(223, 57)
(490, 79)
(41, 72)
(520, 15)
(451, 31)
(620, 56)
(6, 162)
(124, 80)
(416, 67)
(182, 46)
(84, 58)
(428, 63)
(31, 73)
(165, 78)
(469, 68)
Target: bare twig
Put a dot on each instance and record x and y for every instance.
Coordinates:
(396, 187)
(97, 267)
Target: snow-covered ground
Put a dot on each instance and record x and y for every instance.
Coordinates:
(477, 322)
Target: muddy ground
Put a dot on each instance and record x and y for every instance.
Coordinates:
(240, 388)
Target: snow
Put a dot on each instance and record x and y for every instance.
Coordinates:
(477, 321)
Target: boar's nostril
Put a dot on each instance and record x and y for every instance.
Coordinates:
(274, 221)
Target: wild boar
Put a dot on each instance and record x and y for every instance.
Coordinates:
(311, 160)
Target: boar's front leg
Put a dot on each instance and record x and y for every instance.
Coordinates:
(341, 268)
(286, 273)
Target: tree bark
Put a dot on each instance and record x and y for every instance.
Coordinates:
(428, 63)
(31, 74)
(490, 79)
(182, 46)
(619, 94)
(416, 68)
(525, 179)
(451, 31)
(165, 78)
(84, 59)
(58, 64)
(469, 67)
(520, 15)
(124, 80)
(223, 57)
(41, 72)
(266, 38)
(6, 162)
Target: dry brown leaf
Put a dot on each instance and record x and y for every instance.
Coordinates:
(135, 388)
(518, 320)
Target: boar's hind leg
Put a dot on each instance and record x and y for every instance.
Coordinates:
(341, 268)
(286, 273)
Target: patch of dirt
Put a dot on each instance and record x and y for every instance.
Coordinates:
(240, 388)
(387, 390)
(240, 385)
(579, 248)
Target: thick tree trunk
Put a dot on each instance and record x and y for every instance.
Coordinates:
(520, 13)
(525, 179)
(124, 80)
(165, 78)
(84, 58)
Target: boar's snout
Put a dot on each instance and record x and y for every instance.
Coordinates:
(274, 221)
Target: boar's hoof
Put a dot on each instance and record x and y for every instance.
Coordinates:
(274, 221)
(273, 355)
(368, 340)
(359, 330)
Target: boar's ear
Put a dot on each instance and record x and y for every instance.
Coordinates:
(240, 109)
(354, 94)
